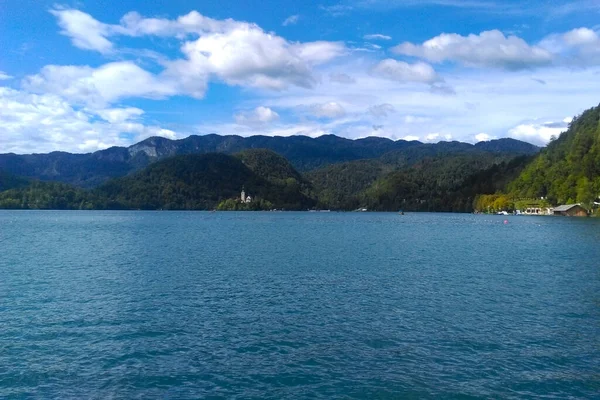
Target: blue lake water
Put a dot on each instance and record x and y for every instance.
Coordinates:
(187, 305)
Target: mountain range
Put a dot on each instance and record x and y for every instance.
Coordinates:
(304, 153)
(297, 173)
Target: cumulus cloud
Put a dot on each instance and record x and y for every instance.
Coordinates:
(88, 33)
(340, 77)
(328, 110)
(579, 46)
(539, 133)
(382, 110)
(483, 137)
(410, 138)
(251, 57)
(377, 36)
(488, 49)
(4, 76)
(103, 85)
(43, 123)
(238, 53)
(258, 116)
(401, 71)
(291, 20)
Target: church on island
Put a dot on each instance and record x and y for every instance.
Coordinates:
(245, 199)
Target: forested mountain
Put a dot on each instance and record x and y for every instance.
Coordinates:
(8, 181)
(304, 153)
(202, 181)
(568, 170)
(188, 182)
(411, 176)
(439, 183)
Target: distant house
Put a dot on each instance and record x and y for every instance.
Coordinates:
(534, 210)
(571, 210)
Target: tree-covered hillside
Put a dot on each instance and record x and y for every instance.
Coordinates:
(568, 170)
(427, 180)
(50, 196)
(197, 182)
(303, 153)
(8, 181)
(448, 184)
(190, 182)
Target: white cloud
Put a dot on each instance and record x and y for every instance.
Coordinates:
(103, 85)
(247, 56)
(377, 36)
(328, 110)
(119, 115)
(85, 31)
(579, 46)
(539, 133)
(483, 137)
(382, 110)
(341, 77)
(432, 137)
(4, 76)
(44, 123)
(259, 116)
(410, 138)
(244, 56)
(488, 49)
(238, 53)
(485, 101)
(291, 20)
(316, 53)
(401, 71)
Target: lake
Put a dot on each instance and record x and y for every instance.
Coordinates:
(187, 305)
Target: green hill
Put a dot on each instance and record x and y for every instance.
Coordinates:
(200, 182)
(8, 181)
(568, 170)
(304, 153)
(433, 178)
(49, 196)
(188, 182)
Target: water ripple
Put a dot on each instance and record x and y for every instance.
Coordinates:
(138, 305)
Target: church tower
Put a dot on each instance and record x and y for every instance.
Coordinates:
(243, 196)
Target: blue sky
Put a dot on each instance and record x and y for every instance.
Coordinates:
(85, 75)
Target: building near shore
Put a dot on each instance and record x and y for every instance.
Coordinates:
(245, 198)
(571, 210)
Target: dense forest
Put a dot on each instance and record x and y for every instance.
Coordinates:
(190, 182)
(442, 182)
(567, 171)
(303, 153)
(377, 174)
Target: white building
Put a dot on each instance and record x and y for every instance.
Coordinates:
(244, 198)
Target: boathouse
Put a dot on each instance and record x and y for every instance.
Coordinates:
(571, 210)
